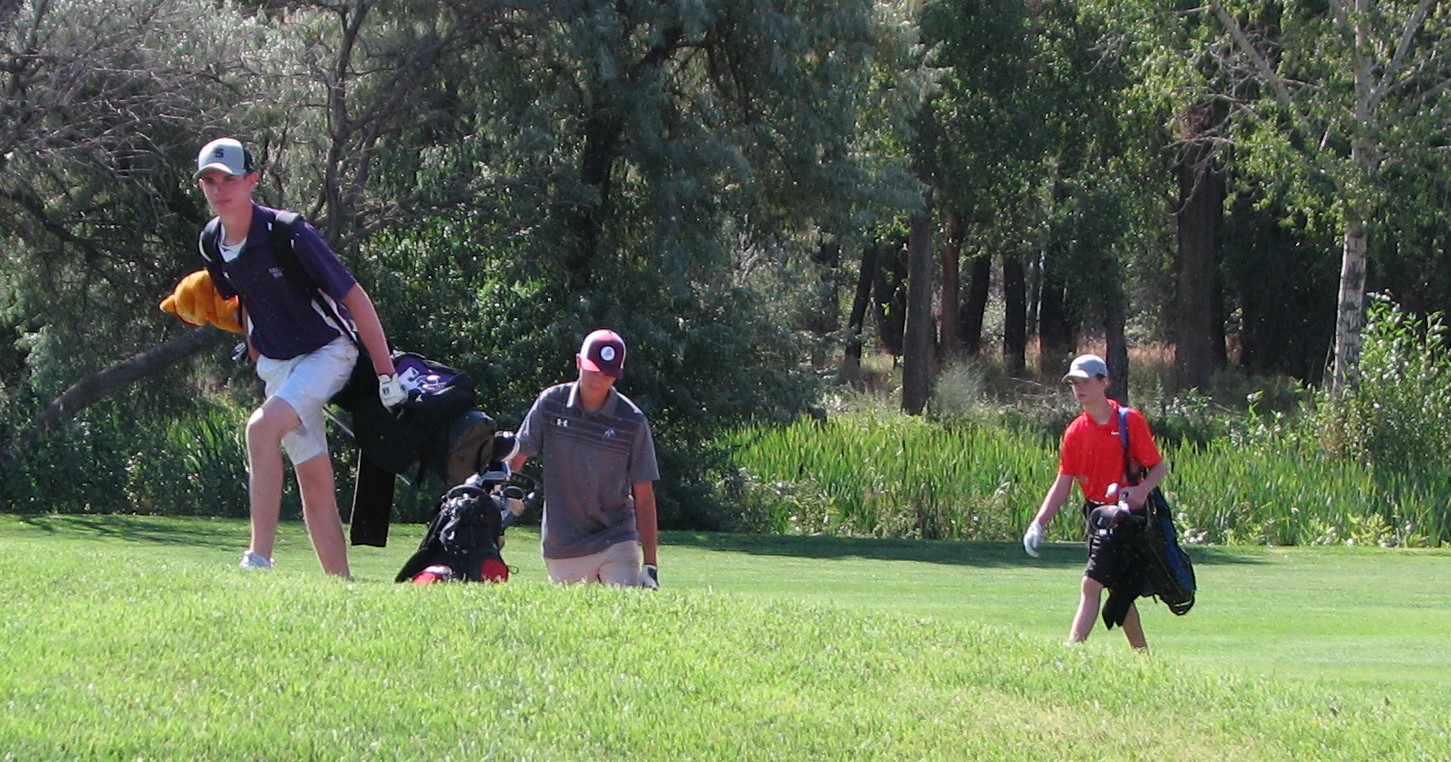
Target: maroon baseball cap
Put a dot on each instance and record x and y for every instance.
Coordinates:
(603, 351)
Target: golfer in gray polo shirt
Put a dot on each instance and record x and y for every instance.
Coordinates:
(599, 473)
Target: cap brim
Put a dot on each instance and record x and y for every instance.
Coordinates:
(1078, 374)
(217, 166)
(591, 365)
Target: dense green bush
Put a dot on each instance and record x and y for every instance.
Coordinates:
(704, 357)
(108, 460)
(1398, 416)
(1271, 484)
(887, 474)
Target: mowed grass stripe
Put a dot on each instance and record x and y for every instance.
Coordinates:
(122, 643)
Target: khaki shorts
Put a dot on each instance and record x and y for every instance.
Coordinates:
(306, 383)
(619, 564)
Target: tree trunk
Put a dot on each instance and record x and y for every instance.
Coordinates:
(1216, 304)
(601, 144)
(1350, 307)
(890, 295)
(918, 335)
(1056, 342)
(824, 321)
(1114, 316)
(1034, 273)
(602, 134)
(1015, 314)
(979, 285)
(851, 361)
(1350, 314)
(1200, 199)
(951, 257)
(97, 386)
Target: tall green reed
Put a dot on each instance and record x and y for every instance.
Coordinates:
(879, 475)
(892, 475)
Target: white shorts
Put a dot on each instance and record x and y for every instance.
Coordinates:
(619, 564)
(306, 383)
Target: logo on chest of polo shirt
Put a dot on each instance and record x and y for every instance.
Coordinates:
(610, 433)
(562, 423)
(276, 273)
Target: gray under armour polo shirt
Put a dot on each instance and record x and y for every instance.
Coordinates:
(591, 461)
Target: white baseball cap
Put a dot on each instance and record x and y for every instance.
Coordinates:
(1085, 367)
(224, 155)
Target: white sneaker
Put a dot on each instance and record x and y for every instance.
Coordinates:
(253, 560)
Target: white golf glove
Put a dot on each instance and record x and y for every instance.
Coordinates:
(1032, 537)
(390, 391)
(650, 576)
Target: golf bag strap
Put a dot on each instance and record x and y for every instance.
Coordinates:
(280, 233)
(1123, 436)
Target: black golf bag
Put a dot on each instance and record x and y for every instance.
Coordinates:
(465, 535)
(439, 429)
(1167, 570)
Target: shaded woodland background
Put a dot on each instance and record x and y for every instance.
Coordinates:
(756, 194)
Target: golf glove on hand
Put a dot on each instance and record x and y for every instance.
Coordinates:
(390, 391)
(1032, 537)
(650, 576)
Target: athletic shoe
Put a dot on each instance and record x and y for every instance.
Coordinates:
(253, 560)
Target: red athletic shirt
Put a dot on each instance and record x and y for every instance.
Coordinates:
(1093, 454)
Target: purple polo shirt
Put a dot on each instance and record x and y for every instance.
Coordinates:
(283, 321)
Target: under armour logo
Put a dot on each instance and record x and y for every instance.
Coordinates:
(610, 434)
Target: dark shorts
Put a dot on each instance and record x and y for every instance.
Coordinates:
(1111, 560)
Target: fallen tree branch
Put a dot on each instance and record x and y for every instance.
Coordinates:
(100, 385)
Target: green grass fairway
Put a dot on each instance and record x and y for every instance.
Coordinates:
(1372, 616)
(136, 638)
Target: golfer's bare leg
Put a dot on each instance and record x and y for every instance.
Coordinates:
(1088, 602)
(320, 512)
(1134, 629)
(265, 429)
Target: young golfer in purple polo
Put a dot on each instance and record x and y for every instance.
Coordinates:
(303, 355)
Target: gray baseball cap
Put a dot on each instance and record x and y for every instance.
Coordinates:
(1087, 366)
(224, 155)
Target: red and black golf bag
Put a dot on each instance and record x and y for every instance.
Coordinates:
(465, 535)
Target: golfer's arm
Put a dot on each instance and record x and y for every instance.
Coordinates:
(370, 329)
(1054, 499)
(646, 520)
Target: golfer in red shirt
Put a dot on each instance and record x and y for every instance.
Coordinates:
(1092, 455)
